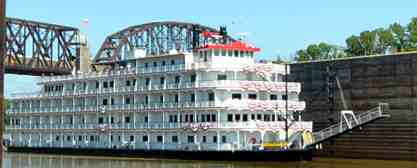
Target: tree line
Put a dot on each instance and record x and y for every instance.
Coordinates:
(395, 38)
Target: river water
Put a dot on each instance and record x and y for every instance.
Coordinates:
(13, 160)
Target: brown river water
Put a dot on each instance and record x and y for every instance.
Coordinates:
(13, 160)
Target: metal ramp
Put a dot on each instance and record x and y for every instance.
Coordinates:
(348, 122)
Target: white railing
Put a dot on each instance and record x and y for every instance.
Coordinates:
(223, 84)
(232, 104)
(250, 125)
(159, 69)
(340, 128)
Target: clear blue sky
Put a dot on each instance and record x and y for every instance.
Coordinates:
(277, 27)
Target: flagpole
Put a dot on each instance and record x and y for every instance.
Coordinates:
(286, 103)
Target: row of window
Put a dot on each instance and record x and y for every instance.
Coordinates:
(53, 88)
(260, 117)
(145, 138)
(171, 118)
(230, 53)
(128, 100)
(254, 96)
(155, 63)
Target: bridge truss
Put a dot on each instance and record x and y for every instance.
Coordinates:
(36, 48)
(155, 38)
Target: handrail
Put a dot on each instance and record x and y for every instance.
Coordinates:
(341, 127)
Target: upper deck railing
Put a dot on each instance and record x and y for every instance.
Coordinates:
(159, 69)
(221, 84)
(234, 104)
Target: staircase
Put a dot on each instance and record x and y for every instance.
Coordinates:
(349, 124)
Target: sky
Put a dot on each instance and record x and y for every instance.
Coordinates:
(277, 27)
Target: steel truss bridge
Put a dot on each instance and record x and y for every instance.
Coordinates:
(36, 48)
(156, 38)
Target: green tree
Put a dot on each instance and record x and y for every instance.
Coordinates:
(412, 33)
(314, 52)
(368, 42)
(399, 36)
(353, 46)
(301, 55)
(384, 39)
(318, 52)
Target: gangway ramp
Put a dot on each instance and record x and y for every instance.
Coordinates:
(349, 124)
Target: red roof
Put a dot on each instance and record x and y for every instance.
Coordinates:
(236, 45)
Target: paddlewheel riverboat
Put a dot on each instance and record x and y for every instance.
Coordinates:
(212, 102)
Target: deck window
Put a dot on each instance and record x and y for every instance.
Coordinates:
(208, 118)
(216, 52)
(191, 118)
(147, 81)
(174, 139)
(204, 139)
(159, 138)
(161, 99)
(162, 80)
(145, 138)
(236, 53)
(211, 97)
(190, 139)
(214, 139)
(221, 77)
(223, 52)
(237, 96)
(193, 97)
(259, 117)
(100, 120)
(203, 118)
(177, 79)
(224, 140)
(176, 98)
(105, 102)
(132, 138)
(193, 78)
(237, 117)
(245, 117)
(273, 97)
(230, 53)
(230, 117)
(252, 96)
(213, 117)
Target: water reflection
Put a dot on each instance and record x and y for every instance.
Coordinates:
(13, 160)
